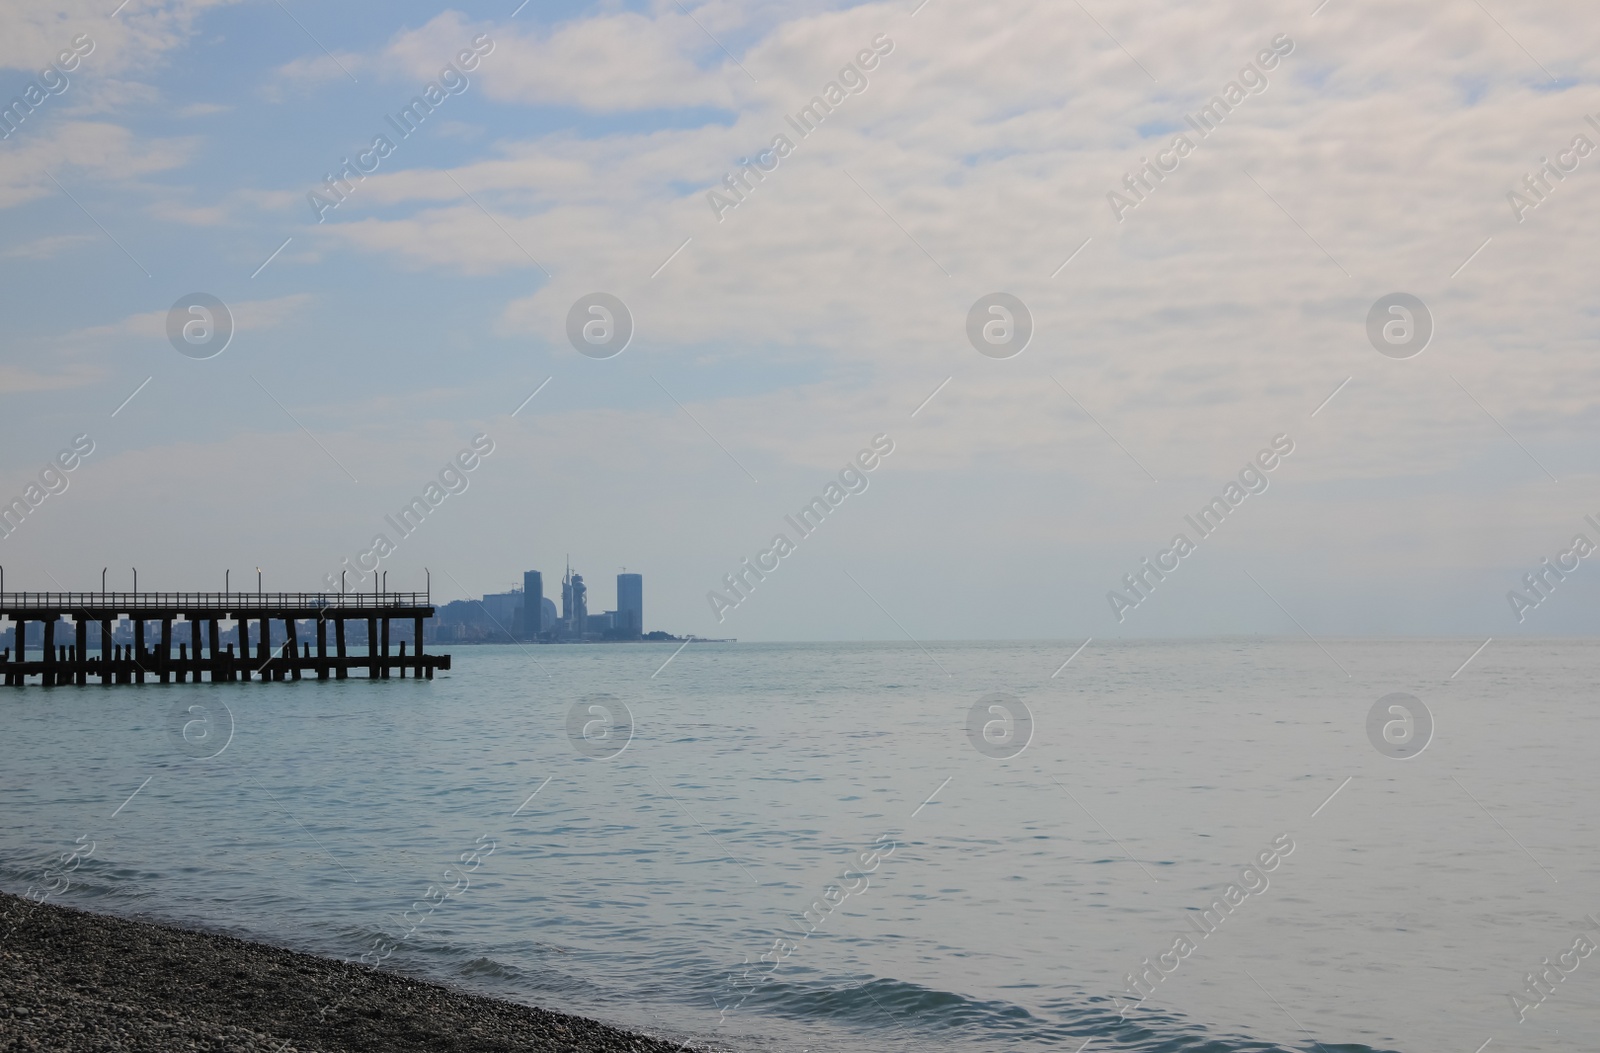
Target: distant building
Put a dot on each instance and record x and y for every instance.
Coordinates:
(602, 623)
(531, 615)
(547, 615)
(574, 607)
(580, 607)
(630, 605)
(468, 621)
(502, 609)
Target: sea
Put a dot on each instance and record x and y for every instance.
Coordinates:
(1186, 846)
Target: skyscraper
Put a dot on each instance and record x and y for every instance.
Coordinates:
(630, 603)
(580, 606)
(532, 605)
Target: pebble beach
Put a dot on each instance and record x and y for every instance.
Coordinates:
(71, 980)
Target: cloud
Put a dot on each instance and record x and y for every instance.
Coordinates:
(612, 63)
(49, 246)
(18, 380)
(307, 74)
(97, 150)
(606, 64)
(151, 326)
(960, 170)
(141, 36)
(201, 109)
(193, 215)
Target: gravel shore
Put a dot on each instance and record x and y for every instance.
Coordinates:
(71, 980)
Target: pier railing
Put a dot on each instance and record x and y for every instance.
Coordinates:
(69, 660)
(211, 601)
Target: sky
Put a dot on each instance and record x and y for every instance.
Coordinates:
(1178, 324)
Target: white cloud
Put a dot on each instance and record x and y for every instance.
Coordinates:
(308, 74)
(623, 61)
(202, 109)
(19, 380)
(140, 37)
(193, 215)
(46, 247)
(96, 149)
(607, 63)
(992, 139)
(151, 326)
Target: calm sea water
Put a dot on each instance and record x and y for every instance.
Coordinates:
(1009, 897)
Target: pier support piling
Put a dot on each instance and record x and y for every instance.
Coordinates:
(243, 631)
(50, 648)
(322, 648)
(138, 648)
(292, 649)
(216, 635)
(338, 632)
(164, 659)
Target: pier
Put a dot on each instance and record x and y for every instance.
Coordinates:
(205, 654)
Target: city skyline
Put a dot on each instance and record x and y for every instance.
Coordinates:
(510, 613)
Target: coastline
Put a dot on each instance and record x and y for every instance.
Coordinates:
(75, 980)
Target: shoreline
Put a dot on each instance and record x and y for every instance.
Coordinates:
(75, 980)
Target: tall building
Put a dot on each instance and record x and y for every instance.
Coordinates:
(529, 624)
(580, 606)
(630, 603)
(566, 597)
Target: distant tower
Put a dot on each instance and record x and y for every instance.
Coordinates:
(532, 604)
(566, 597)
(630, 604)
(580, 606)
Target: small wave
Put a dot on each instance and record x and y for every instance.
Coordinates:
(483, 968)
(881, 1002)
(887, 1006)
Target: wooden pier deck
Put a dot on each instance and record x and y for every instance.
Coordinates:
(205, 654)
